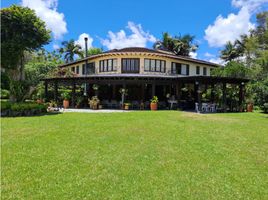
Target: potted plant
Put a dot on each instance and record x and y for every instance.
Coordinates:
(154, 102)
(94, 102)
(39, 98)
(79, 100)
(66, 97)
(250, 105)
(95, 87)
(126, 106)
(123, 93)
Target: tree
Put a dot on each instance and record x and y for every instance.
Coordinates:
(180, 45)
(70, 49)
(231, 51)
(22, 31)
(92, 51)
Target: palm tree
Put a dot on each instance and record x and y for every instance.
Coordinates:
(70, 49)
(180, 45)
(230, 52)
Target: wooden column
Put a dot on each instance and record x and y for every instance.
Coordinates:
(46, 90)
(241, 96)
(153, 89)
(212, 92)
(73, 93)
(56, 91)
(114, 92)
(142, 92)
(224, 97)
(198, 91)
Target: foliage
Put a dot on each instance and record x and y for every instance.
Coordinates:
(70, 49)
(265, 107)
(95, 87)
(180, 45)
(65, 95)
(9, 109)
(135, 155)
(22, 31)
(154, 99)
(232, 69)
(5, 81)
(4, 94)
(94, 102)
(251, 51)
(92, 51)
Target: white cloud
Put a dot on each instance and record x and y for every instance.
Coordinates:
(250, 4)
(217, 61)
(56, 46)
(47, 11)
(137, 38)
(193, 55)
(209, 55)
(81, 40)
(228, 29)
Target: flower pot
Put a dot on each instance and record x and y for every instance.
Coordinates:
(153, 106)
(66, 103)
(250, 107)
(39, 101)
(126, 107)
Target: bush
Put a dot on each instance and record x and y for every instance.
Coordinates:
(4, 94)
(265, 107)
(22, 109)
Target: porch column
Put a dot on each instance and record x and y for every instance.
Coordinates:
(73, 93)
(199, 96)
(212, 92)
(114, 92)
(46, 90)
(153, 89)
(56, 91)
(224, 96)
(241, 96)
(142, 92)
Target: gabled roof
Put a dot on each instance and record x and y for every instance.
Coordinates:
(163, 53)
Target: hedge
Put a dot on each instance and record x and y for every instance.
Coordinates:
(21, 109)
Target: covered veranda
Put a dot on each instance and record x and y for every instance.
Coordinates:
(186, 93)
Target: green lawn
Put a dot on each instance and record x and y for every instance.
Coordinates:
(136, 155)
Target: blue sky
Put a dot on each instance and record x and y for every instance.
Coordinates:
(121, 23)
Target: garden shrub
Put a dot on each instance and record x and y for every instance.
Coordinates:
(22, 109)
(4, 94)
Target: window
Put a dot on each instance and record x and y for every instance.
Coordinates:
(204, 71)
(130, 65)
(83, 69)
(151, 65)
(108, 65)
(77, 69)
(90, 69)
(73, 69)
(178, 68)
(197, 70)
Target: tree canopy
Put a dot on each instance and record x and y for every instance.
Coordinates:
(180, 45)
(21, 31)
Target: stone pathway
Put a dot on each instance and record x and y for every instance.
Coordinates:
(93, 111)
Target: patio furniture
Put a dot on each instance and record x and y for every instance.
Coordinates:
(172, 102)
(135, 104)
(114, 104)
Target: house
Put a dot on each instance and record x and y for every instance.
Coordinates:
(145, 73)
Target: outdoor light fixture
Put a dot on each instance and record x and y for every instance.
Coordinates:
(196, 82)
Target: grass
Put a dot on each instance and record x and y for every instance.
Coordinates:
(136, 155)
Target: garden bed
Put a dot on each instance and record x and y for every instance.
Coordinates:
(22, 109)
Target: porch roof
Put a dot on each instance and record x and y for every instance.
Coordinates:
(145, 77)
